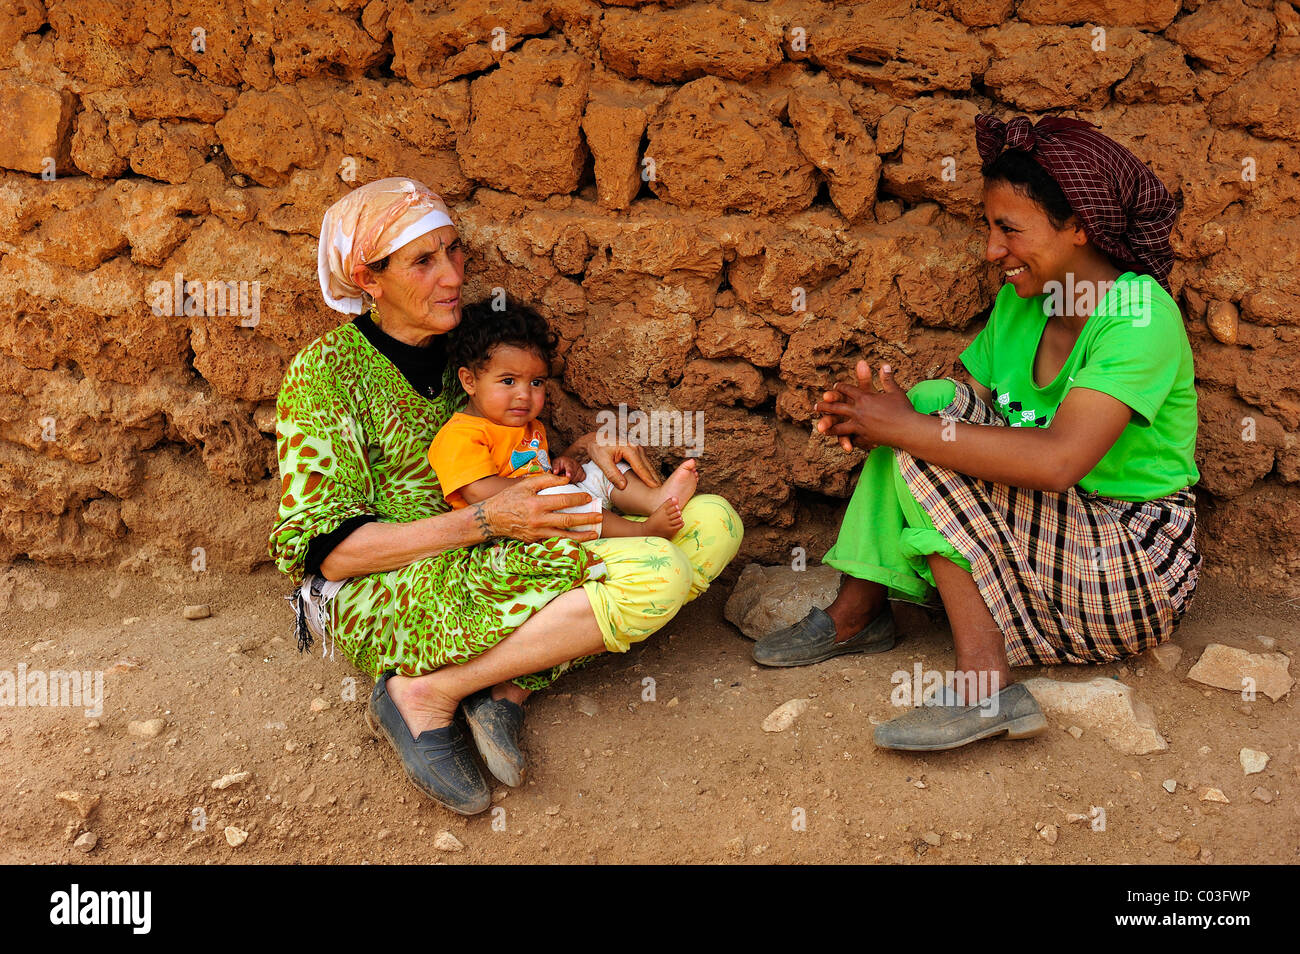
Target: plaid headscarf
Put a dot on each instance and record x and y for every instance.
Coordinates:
(367, 224)
(1125, 210)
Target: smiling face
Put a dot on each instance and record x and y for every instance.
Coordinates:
(418, 294)
(510, 389)
(1024, 243)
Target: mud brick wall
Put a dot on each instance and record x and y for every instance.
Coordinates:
(659, 179)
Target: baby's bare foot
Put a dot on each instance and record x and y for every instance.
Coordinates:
(680, 484)
(664, 522)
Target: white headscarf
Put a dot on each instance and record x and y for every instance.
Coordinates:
(367, 224)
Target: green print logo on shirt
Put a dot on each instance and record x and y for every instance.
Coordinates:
(1016, 414)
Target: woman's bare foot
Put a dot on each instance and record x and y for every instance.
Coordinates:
(421, 703)
(664, 522)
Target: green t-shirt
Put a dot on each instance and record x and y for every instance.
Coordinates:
(1133, 347)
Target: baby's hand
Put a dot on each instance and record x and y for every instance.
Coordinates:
(567, 466)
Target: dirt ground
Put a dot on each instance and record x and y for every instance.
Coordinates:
(688, 776)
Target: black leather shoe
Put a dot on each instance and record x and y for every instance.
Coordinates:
(812, 640)
(496, 725)
(439, 761)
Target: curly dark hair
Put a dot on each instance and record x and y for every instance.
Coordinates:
(1017, 169)
(482, 330)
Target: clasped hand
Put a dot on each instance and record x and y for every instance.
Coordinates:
(863, 415)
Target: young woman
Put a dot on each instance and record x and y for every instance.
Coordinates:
(1048, 498)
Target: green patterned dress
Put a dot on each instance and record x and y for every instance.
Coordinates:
(352, 437)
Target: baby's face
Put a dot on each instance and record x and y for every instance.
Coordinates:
(512, 388)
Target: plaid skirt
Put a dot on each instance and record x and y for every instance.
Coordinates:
(1069, 577)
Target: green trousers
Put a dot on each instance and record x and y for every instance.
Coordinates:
(886, 535)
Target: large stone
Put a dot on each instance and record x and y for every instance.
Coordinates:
(1081, 74)
(454, 40)
(103, 43)
(1104, 706)
(939, 159)
(716, 147)
(614, 137)
(1161, 75)
(525, 123)
(839, 145)
(706, 383)
(268, 134)
(768, 598)
(1235, 445)
(734, 332)
(675, 45)
(619, 357)
(1225, 35)
(37, 128)
(310, 40)
(1227, 667)
(1152, 15)
(903, 52)
(1264, 100)
(394, 130)
(170, 153)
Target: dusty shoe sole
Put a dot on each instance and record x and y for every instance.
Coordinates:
(939, 727)
(503, 767)
(1023, 728)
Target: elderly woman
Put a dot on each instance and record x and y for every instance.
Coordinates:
(1049, 498)
(471, 609)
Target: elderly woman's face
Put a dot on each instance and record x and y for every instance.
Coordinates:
(1024, 243)
(419, 291)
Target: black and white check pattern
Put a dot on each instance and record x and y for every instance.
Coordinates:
(1126, 211)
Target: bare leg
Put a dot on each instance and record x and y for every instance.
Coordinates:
(564, 629)
(856, 605)
(980, 647)
(508, 690)
(664, 522)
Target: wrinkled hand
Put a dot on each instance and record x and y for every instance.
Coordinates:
(568, 467)
(862, 416)
(607, 456)
(520, 513)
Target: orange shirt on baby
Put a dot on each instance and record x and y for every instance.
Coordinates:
(469, 448)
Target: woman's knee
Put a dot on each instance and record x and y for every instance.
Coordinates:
(717, 513)
(932, 395)
(675, 582)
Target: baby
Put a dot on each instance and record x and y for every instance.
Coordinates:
(502, 360)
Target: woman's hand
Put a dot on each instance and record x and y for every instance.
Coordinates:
(521, 513)
(607, 455)
(863, 416)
